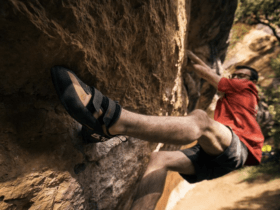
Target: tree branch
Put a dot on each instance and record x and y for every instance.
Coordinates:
(270, 26)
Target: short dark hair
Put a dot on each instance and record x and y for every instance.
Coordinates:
(254, 73)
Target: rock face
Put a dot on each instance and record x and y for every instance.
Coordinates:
(256, 49)
(208, 38)
(130, 50)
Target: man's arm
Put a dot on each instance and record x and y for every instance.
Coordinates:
(203, 70)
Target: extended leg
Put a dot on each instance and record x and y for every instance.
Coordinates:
(104, 117)
(175, 130)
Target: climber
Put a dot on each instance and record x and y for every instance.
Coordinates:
(225, 144)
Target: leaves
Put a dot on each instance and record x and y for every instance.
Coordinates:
(272, 98)
(266, 12)
(275, 65)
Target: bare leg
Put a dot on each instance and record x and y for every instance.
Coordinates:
(211, 135)
(152, 183)
(177, 130)
(214, 136)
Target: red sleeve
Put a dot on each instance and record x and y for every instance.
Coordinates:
(232, 85)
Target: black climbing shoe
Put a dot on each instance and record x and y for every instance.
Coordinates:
(81, 101)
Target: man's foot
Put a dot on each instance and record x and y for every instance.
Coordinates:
(85, 104)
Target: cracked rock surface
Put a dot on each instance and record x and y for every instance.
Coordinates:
(131, 51)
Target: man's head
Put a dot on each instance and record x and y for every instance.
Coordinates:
(245, 72)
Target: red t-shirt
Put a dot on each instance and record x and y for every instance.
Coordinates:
(238, 109)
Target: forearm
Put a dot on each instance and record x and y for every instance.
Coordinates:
(198, 66)
(207, 74)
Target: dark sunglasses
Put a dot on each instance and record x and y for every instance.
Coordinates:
(239, 76)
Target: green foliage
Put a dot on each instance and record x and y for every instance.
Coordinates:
(272, 97)
(251, 10)
(266, 12)
(275, 65)
(267, 171)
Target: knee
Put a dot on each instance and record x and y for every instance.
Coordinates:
(201, 118)
(157, 160)
(199, 113)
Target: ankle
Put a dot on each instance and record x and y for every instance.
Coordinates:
(117, 128)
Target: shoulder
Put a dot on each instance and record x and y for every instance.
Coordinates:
(234, 85)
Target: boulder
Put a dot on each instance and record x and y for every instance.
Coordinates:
(133, 52)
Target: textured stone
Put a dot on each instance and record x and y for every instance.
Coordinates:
(130, 50)
(209, 29)
(97, 151)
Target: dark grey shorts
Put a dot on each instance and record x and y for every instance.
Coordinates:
(209, 167)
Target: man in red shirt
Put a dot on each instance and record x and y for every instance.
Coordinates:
(238, 109)
(225, 144)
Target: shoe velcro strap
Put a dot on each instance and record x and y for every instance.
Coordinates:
(109, 114)
(97, 100)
